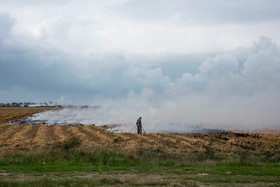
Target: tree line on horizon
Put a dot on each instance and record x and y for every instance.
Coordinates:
(29, 104)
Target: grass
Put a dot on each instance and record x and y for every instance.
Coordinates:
(65, 173)
(66, 164)
(68, 144)
(68, 170)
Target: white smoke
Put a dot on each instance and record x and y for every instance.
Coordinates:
(234, 90)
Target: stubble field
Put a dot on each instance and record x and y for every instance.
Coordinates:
(127, 159)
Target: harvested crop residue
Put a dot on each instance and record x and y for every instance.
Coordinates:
(40, 137)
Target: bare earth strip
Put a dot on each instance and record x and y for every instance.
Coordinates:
(172, 179)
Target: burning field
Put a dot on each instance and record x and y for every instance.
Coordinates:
(39, 137)
(36, 153)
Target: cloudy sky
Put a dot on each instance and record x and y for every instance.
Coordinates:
(209, 62)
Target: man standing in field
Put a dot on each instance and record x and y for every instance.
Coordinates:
(139, 125)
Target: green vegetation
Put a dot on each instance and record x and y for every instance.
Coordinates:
(68, 145)
(67, 165)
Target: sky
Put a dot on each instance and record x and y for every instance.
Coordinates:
(215, 63)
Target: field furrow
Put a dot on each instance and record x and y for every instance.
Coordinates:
(10, 132)
(65, 131)
(50, 133)
(74, 131)
(41, 139)
(90, 138)
(17, 142)
(3, 129)
(20, 134)
(101, 134)
(92, 135)
(58, 133)
(192, 142)
(151, 138)
(30, 135)
(183, 143)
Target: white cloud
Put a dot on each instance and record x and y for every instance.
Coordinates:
(143, 27)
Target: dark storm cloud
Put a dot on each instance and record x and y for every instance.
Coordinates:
(18, 69)
(33, 68)
(240, 72)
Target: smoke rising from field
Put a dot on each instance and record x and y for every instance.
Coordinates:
(175, 114)
(234, 90)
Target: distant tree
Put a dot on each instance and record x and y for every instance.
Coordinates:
(15, 104)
